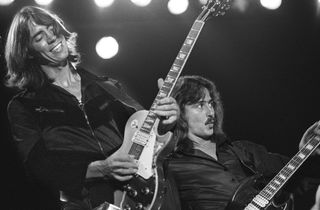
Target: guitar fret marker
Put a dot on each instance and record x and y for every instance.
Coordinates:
(189, 41)
(182, 55)
(282, 176)
(291, 167)
(301, 155)
(169, 79)
(277, 182)
(309, 147)
(175, 68)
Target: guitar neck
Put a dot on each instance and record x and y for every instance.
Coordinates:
(212, 8)
(290, 168)
(141, 139)
(176, 68)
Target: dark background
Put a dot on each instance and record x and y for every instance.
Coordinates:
(264, 62)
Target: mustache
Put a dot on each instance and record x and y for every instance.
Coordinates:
(210, 120)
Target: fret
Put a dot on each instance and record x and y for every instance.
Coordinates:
(282, 176)
(175, 68)
(302, 156)
(189, 41)
(267, 192)
(178, 62)
(173, 74)
(309, 147)
(296, 160)
(170, 79)
(185, 48)
(182, 55)
(193, 34)
(291, 167)
(168, 84)
(272, 187)
(165, 89)
(197, 25)
(162, 94)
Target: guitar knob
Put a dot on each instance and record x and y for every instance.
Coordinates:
(139, 206)
(127, 207)
(133, 193)
(146, 191)
(127, 188)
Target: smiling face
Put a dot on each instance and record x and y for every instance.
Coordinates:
(49, 45)
(200, 118)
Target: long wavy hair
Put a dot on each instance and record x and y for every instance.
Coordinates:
(189, 90)
(23, 70)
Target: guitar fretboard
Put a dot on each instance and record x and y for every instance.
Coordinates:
(143, 134)
(269, 191)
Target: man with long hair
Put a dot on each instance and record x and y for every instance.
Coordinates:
(67, 123)
(207, 166)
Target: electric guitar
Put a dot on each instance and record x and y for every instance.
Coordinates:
(147, 188)
(248, 197)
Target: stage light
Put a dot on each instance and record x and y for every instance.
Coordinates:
(103, 3)
(177, 7)
(43, 2)
(5, 2)
(240, 5)
(203, 2)
(107, 47)
(271, 4)
(141, 3)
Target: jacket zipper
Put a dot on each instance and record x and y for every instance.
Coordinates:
(81, 106)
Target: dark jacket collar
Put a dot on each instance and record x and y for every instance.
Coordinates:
(186, 146)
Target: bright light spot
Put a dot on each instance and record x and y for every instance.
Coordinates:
(177, 7)
(241, 5)
(271, 4)
(141, 3)
(103, 3)
(5, 2)
(203, 2)
(107, 47)
(43, 2)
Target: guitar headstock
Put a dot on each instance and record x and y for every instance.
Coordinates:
(214, 8)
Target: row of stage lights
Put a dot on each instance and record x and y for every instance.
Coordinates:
(107, 47)
(174, 6)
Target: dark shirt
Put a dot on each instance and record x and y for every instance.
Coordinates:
(206, 183)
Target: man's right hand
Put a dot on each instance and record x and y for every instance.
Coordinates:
(118, 166)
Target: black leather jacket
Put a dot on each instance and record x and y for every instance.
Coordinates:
(57, 136)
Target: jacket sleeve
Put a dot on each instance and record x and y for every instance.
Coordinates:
(49, 169)
(265, 162)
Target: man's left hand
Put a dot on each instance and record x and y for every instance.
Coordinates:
(167, 108)
(313, 130)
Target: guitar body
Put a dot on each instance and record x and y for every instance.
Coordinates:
(246, 192)
(146, 189)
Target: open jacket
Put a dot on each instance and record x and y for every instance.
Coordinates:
(57, 136)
